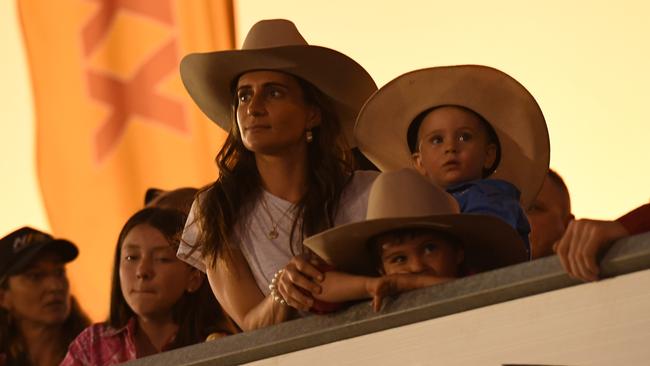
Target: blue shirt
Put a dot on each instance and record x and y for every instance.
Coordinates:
(494, 197)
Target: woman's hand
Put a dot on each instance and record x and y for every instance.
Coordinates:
(580, 245)
(300, 281)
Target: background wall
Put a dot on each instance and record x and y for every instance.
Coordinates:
(584, 61)
(20, 197)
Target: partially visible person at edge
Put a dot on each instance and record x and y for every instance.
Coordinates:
(472, 130)
(414, 236)
(38, 317)
(285, 170)
(578, 243)
(158, 302)
(549, 215)
(585, 240)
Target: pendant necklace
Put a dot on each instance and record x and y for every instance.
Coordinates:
(273, 233)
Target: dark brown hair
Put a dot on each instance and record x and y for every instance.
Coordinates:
(179, 199)
(229, 200)
(412, 134)
(13, 345)
(198, 313)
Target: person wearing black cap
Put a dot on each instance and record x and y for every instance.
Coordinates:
(38, 317)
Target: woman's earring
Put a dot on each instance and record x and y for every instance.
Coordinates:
(310, 136)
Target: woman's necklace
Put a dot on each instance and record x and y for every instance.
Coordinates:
(273, 233)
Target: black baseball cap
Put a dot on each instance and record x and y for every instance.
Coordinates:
(20, 248)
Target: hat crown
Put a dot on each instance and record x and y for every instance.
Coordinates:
(405, 193)
(25, 237)
(273, 33)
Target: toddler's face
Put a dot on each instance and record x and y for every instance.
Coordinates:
(425, 253)
(453, 147)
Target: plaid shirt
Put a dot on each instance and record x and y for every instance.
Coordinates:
(102, 345)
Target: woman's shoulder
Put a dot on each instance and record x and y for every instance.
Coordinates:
(187, 249)
(359, 185)
(354, 200)
(362, 180)
(364, 176)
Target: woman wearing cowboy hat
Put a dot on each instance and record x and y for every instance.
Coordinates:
(284, 171)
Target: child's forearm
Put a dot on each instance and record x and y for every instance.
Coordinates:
(341, 287)
(407, 282)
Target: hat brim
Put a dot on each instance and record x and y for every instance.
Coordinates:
(488, 241)
(64, 248)
(383, 122)
(209, 78)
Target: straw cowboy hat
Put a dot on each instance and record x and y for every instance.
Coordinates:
(405, 199)
(382, 124)
(276, 45)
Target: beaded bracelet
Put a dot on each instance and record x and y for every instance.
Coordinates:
(275, 294)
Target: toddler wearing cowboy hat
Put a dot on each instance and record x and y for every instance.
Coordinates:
(414, 236)
(472, 130)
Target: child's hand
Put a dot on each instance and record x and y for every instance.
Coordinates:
(393, 284)
(380, 287)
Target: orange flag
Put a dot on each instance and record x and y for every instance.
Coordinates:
(113, 118)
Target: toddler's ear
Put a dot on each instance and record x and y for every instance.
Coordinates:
(490, 156)
(417, 163)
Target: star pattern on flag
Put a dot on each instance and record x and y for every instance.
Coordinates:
(137, 94)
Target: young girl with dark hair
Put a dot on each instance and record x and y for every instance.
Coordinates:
(158, 303)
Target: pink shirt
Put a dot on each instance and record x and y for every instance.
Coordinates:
(102, 345)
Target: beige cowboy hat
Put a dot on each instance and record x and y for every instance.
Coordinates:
(405, 199)
(382, 124)
(276, 45)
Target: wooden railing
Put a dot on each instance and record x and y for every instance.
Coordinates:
(531, 313)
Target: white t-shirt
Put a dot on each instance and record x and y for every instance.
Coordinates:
(266, 256)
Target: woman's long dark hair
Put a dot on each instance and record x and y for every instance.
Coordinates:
(13, 345)
(198, 313)
(229, 200)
